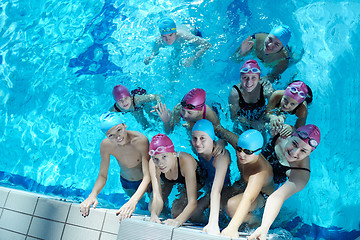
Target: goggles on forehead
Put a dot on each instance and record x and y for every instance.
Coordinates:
(294, 90)
(304, 135)
(164, 30)
(246, 151)
(190, 106)
(253, 70)
(159, 150)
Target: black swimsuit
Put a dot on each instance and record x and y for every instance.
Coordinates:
(180, 178)
(251, 111)
(279, 170)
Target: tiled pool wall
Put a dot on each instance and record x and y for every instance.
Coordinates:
(29, 216)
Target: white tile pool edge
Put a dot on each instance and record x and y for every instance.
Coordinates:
(25, 215)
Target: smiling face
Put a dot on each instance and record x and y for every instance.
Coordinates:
(164, 161)
(296, 149)
(249, 81)
(117, 134)
(124, 103)
(169, 38)
(288, 104)
(202, 142)
(191, 115)
(272, 44)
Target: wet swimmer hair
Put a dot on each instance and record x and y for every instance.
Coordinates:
(310, 134)
(194, 99)
(205, 126)
(250, 142)
(167, 25)
(161, 143)
(250, 66)
(297, 91)
(283, 33)
(119, 92)
(108, 120)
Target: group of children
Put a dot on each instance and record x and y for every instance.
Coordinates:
(270, 171)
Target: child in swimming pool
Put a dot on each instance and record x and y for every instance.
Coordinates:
(131, 150)
(269, 48)
(289, 158)
(214, 171)
(191, 108)
(134, 102)
(169, 169)
(293, 100)
(255, 183)
(247, 99)
(171, 36)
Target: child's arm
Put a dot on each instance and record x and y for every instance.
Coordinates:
(100, 181)
(296, 182)
(278, 70)
(155, 51)
(233, 103)
(157, 201)
(222, 163)
(252, 190)
(128, 208)
(202, 44)
(243, 50)
(189, 166)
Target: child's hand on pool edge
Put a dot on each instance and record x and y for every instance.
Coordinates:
(85, 205)
(126, 210)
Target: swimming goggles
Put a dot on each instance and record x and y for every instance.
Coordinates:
(304, 135)
(246, 151)
(294, 90)
(167, 30)
(246, 70)
(190, 106)
(159, 150)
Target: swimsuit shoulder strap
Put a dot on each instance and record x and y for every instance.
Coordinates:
(116, 108)
(204, 112)
(241, 99)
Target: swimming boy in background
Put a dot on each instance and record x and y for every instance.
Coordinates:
(270, 48)
(131, 150)
(171, 36)
(134, 102)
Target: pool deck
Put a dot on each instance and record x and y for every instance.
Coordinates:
(29, 216)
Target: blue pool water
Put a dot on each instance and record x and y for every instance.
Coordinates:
(59, 62)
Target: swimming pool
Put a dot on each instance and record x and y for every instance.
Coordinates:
(59, 62)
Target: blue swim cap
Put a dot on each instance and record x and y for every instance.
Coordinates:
(204, 126)
(167, 26)
(109, 120)
(251, 140)
(283, 33)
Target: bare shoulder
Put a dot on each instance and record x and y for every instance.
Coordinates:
(222, 158)
(185, 156)
(301, 112)
(187, 161)
(107, 145)
(137, 138)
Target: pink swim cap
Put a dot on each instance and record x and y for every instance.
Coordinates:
(120, 92)
(297, 90)
(161, 143)
(250, 66)
(194, 100)
(310, 134)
